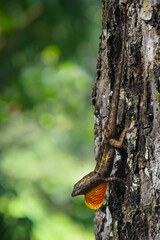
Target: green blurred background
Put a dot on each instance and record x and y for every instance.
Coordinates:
(48, 52)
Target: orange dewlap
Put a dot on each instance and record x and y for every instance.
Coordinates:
(94, 199)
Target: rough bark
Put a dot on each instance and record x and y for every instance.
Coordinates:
(134, 212)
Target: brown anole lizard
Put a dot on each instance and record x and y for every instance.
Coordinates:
(94, 184)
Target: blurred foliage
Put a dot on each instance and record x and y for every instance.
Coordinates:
(48, 51)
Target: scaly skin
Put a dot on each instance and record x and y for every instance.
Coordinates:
(105, 161)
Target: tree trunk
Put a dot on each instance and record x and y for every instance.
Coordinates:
(132, 212)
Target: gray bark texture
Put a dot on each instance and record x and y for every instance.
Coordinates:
(132, 212)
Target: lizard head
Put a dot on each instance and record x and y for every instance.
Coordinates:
(79, 188)
(88, 182)
(94, 197)
(83, 186)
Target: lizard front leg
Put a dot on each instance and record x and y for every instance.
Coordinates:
(118, 143)
(113, 179)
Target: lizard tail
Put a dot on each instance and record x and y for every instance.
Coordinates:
(112, 118)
